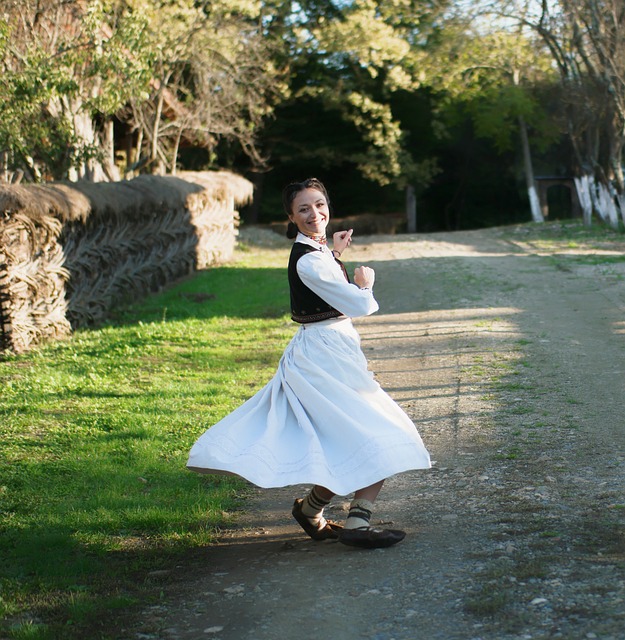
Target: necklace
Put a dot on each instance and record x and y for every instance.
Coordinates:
(319, 239)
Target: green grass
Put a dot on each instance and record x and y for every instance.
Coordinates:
(95, 431)
(570, 234)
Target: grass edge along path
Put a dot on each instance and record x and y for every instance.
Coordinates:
(94, 494)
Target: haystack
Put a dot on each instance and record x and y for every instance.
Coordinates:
(70, 252)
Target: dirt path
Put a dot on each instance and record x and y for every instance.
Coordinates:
(510, 360)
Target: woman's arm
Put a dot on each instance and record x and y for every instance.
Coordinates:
(326, 279)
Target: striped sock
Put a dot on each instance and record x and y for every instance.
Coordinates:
(359, 514)
(313, 506)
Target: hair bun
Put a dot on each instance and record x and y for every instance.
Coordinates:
(291, 230)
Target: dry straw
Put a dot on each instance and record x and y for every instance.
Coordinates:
(70, 252)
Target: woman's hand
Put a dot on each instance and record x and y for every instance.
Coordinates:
(341, 240)
(364, 277)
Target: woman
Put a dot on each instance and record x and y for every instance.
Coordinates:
(322, 419)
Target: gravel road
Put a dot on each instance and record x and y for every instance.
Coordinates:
(508, 353)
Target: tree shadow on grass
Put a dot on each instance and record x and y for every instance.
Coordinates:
(102, 530)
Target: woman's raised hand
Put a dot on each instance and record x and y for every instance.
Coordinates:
(364, 277)
(342, 240)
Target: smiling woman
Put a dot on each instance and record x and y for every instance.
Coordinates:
(322, 419)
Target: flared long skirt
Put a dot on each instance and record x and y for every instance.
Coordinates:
(322, 419)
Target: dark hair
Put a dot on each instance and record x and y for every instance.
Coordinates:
(288, 195)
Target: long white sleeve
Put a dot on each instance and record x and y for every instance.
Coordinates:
(322, 274)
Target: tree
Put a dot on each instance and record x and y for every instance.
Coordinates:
(350, 58)
(175, 69)
(214, 78)
(586, 39)
(595, 77)
(345, 61)
(495, 68)
(66, 67)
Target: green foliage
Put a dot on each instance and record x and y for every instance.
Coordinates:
(317, 86)
(497, 72)
(115, 57)
(496, 114)
(215, 77)
(22, 91)
(95, 433)
(347, 59)
(71, 61)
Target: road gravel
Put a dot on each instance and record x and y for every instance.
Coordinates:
(508, 354)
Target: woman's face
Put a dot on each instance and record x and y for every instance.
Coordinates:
(310, 212)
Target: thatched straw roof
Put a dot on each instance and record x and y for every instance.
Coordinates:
(78, 201)
(220, 184)
(40, 201)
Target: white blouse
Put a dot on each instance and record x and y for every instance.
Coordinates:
(320, 272)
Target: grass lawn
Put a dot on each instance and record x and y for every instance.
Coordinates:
(95, 432)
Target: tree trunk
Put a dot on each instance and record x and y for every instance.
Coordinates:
(90, 169)
(605, 203)
(620, 199)
(583, 187)
(108, 146)
(537, 214)
(156, 125)
(87, 139)
(411, 209)
(174, 153)
(616, 150)
(134, 167)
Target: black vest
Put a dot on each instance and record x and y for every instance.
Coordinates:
(306, 305)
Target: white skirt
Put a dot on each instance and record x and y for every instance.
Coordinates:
(322, 419)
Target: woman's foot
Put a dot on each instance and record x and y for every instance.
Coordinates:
(359, 533)
(322, 529)
(371, 538)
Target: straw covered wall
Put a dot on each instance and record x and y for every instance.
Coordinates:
(70, 252)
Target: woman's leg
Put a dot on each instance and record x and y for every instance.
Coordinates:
(369, 493)
(315, 502)
(358, 531)
(361, 506)
(323, 493)
(309, 513)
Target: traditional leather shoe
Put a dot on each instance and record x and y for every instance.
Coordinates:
(330, 531)
(370, 538)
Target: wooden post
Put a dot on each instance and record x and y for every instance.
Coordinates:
(4, 166)
(411, 209)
